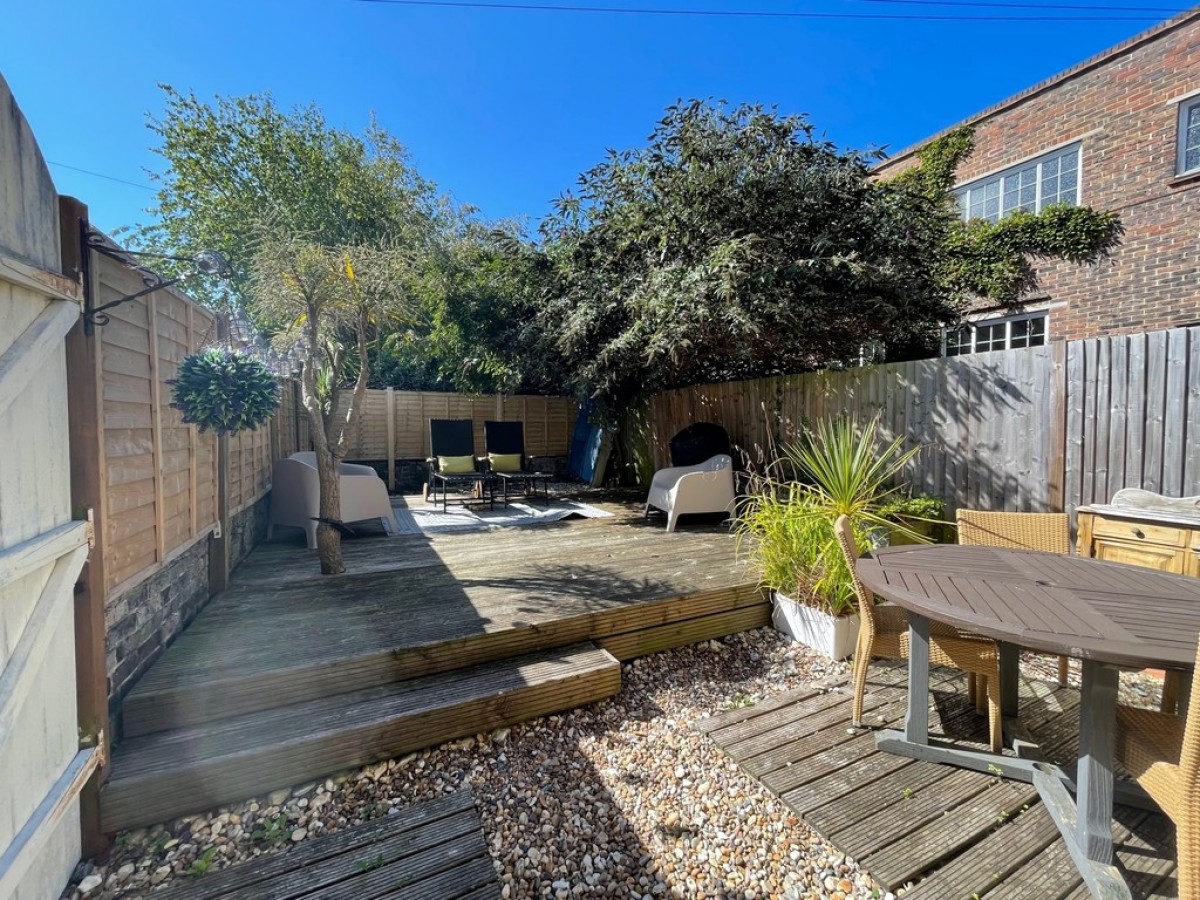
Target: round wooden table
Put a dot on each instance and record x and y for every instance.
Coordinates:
(1106, 614)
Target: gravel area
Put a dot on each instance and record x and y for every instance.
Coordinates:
(619, 799)
(1142, 689)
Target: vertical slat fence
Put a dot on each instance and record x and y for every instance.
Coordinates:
(1052, 427)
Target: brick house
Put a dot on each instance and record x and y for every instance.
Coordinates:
(1119, 132)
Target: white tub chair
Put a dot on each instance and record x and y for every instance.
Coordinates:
(704, 488)
(296, 496)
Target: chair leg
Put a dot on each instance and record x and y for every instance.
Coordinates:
(981, 693)
(1064, 669)
(862, 660)
(973, 689)
(995, 718)
(672, 516)
(1187, 856)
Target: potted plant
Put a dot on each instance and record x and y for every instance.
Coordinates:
(920, 515)
(785, 527)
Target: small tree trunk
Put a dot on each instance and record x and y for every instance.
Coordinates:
(329, 539)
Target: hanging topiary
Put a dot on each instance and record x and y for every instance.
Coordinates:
(225, 391)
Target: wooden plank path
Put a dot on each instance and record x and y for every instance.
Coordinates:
(944, 833)
(433, 850)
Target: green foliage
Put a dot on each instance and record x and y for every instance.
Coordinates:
(786, 527)
(236, 162)
(369, 863)
(225, 391)
(994, 261)
(203, 862)
(270, 831)
(921, 507)
(735, 244)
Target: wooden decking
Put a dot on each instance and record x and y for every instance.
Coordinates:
(952, 833)
(431, 851)
(290, 675)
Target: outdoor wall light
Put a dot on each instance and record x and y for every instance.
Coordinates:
(206, 262)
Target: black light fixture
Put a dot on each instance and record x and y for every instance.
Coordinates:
(206, 262)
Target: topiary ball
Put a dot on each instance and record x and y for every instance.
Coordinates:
(225, 391)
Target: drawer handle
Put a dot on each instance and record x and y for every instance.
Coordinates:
(1138, 533)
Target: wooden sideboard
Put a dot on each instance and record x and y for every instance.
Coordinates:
(1158, 541)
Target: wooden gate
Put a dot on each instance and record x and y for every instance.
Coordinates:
(41, 549)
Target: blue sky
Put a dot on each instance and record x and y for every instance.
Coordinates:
(503, 108)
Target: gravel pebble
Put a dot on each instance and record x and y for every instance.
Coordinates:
(623, 798)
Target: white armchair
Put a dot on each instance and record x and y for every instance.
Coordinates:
(707, 487)
(296, 496)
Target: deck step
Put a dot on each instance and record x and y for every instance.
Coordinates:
(186, 770)
(195, 683)
(433, 849)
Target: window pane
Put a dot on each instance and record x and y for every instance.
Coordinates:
(1053, 178)
(1191, 138)
(1037, 331)
(1019, 336)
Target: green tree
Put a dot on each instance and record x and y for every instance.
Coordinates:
(332, 301)
(737, 244)
(236, 162)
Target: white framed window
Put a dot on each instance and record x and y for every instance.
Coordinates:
(1033, 185)
(1189, 137)
(1007, 333)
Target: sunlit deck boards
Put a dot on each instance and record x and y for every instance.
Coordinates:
(952, 833)
(290, 675)
(411, 606)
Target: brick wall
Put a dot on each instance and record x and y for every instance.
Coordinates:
(1119, 107)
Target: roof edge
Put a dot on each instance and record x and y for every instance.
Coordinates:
(1094, 62)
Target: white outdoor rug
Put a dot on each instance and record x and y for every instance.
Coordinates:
(427, 517)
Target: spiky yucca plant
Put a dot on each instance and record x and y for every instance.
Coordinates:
(786, 527)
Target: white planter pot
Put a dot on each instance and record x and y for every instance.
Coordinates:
(835, 636)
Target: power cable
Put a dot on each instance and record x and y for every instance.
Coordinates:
(748, 14)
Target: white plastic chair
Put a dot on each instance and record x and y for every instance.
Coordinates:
(296, 496)
(704, 488)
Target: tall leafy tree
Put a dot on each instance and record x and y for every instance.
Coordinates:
(236, 162)
(737, 243)
(332, 302)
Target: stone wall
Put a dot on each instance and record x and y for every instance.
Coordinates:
(248, 529)
(143, 620)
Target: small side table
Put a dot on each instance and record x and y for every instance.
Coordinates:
(529, 482)
(480, 487)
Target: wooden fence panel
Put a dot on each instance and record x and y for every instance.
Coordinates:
(1025, 430)
(548, 422)
(1133, 415)
(160, 475)
(977, 419)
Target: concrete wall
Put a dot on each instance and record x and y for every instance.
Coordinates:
(1122, 108)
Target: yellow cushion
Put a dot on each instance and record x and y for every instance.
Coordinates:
(505, 462)
(456, 465)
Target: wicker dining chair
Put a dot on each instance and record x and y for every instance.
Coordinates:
(1048, 532)
(883, 631)
(1162, 752)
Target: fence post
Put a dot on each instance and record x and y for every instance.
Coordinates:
(391, 439)
(218, 541)
(1057, 416)
(85, 417)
